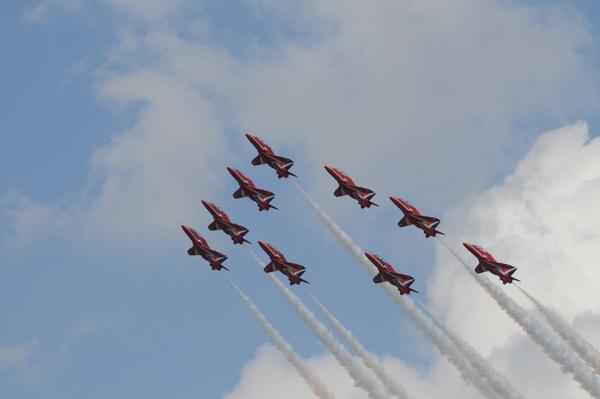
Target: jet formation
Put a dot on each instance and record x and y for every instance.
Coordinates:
(346, 187)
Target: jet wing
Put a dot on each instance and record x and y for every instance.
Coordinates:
(398, 276)
(364, 190)
(480, 268)
(193, 251)
(258, 160)
(294, 267)
(240, 193)
(378, 278)
(266, 195)
(284, 162)
(404, 222)
(270, 268)
(430, 221)
(504, 268)
(339, 192)
(403, 279)
(217, 256)
(238, 229)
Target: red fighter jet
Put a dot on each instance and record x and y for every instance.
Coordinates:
(487, 263)
(413, 216)
(267, 156)
(222, 222)
(292, 271)
(387, 273)
(248, 189)
(348, 187)
(201, 247)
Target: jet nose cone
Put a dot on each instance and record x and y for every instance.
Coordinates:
(249, 136)
(369, 255)
(329, 170)
(262, 244)
(467, 245)
(205, 203)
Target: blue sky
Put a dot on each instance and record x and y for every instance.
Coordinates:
(122, 311)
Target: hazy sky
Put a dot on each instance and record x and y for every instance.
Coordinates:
(119, 116)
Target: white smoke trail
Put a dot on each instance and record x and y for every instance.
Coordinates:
(341, 354)
(587, 351)
(313, 382)
(473, 369)
(504, 387)
(393, 387)
(552, 346)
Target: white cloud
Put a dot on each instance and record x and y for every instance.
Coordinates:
(143, 10)
(268, 376)
(416, 84)
(155, 173)
(16, 357)
(421, 88)
(544, 219)
(428, 90)
(40, 11)
(151, 10)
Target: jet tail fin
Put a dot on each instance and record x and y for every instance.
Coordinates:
(378, 278)
(285, 173)
(299, 278)
(239, 240)
(266, 206)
